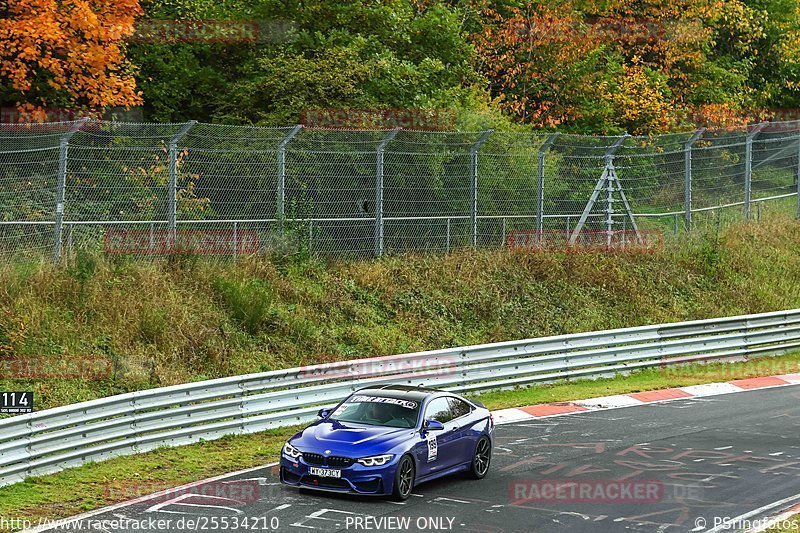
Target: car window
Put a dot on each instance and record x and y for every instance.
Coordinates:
(459, 408)
(439, 409)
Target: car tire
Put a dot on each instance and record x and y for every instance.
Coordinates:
(403, 479)
(481, 458)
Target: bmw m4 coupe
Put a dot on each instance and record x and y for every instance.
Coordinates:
(386, 440)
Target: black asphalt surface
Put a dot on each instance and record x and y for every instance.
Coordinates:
(702, 458)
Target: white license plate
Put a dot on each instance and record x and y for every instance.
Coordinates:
(324, 472)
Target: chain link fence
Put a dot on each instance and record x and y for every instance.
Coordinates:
(159, 189)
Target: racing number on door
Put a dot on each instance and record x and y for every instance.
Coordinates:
(433, 448)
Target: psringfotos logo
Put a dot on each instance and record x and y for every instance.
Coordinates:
(585, 491)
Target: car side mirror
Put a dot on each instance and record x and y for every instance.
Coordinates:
(323, 413)
(433, 425)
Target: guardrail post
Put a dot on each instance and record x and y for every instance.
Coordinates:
(63, 149)
(172, 208)
(748, 166)
(540, 182)
(281, 209)
(379, 191)
(473, 152)
(687, 156)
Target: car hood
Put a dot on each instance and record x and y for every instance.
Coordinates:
(349, 439)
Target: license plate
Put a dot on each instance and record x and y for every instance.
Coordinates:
(324, 472)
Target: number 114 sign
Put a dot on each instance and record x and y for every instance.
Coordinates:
(16, 403)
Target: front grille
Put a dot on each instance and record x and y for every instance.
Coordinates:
(314, 458)
(340, 462)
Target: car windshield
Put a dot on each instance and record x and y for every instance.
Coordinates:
(377, 411)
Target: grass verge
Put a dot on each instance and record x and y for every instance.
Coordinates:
(95, 485)
(103, 326)
(789, 525)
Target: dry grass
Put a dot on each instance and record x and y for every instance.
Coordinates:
(161, 323)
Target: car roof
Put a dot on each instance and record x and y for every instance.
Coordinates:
(405, 392)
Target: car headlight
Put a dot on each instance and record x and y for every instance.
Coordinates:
(375, 460)
(291, 451)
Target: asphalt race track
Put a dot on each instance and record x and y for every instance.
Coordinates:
(699, 459)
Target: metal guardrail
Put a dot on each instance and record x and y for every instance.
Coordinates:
(52, 440)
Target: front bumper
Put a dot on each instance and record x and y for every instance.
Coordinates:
(356, 478)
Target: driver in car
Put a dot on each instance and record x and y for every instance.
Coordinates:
(400, 417)
(372, 412)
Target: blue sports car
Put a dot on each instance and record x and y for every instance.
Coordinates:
(388, 439)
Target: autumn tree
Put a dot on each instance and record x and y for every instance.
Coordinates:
(66, 54)
(639, 65)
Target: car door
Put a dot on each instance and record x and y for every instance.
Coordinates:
(464, 441)
(440, 446)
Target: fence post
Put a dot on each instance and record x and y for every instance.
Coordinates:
(448, 235)
(540, 182)
(473, 153)
(281, 211)
(63, 148)
(748, 167)
(379, 192)
(235, 239)
(687, 156)
(172, 208)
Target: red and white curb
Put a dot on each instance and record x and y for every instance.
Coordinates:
(617, 401)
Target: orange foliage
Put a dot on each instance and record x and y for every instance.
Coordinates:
(627, 62)
(68, 52)
(525, 54)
